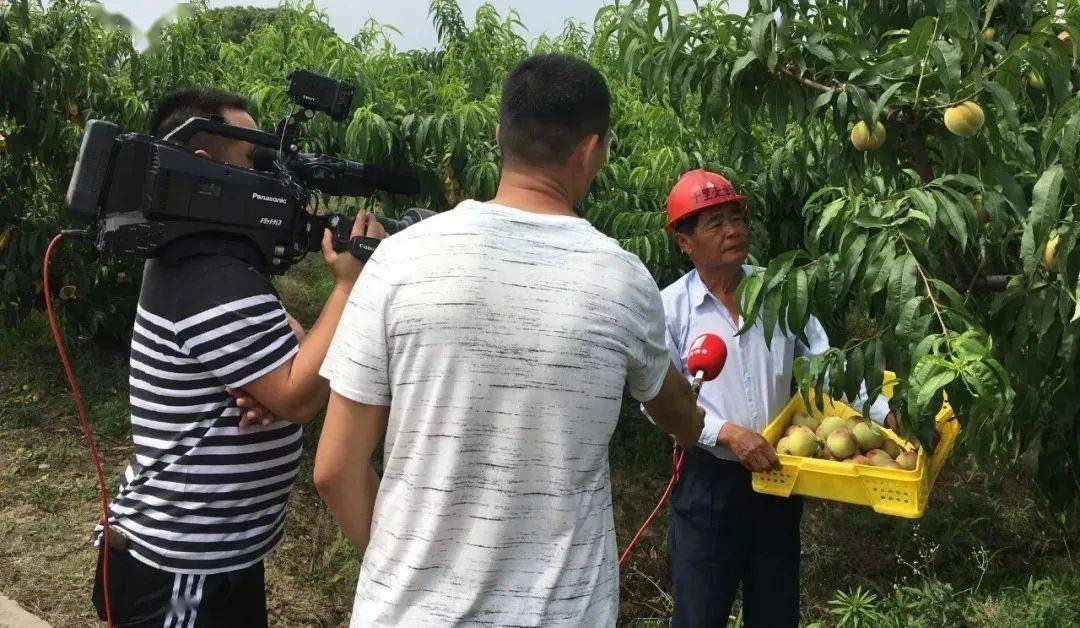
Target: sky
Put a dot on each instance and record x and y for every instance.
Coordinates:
(408, 16)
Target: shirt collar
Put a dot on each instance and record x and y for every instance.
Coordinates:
(697, 291)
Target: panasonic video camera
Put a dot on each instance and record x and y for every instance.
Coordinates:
(144, 193)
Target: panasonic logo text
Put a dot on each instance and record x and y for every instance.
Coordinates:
(271, 199)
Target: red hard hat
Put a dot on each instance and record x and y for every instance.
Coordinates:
(697, 190)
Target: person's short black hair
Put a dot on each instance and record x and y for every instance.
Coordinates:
(179, 105)
(687, 225)
(549, 104)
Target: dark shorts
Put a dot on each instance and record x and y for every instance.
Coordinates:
(142, 596)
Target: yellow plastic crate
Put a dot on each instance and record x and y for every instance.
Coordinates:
(894, 492)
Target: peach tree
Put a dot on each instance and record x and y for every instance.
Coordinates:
(925, 155)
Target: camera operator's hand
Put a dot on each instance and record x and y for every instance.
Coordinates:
(251, 411)
(343, 266)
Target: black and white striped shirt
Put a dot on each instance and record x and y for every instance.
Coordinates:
(201, 495)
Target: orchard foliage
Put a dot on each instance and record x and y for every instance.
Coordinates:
(937, 242)
(430, 112)
(924, 256)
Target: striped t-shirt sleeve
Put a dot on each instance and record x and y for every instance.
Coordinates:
(241, 332)
(647, 353)
(357, 363)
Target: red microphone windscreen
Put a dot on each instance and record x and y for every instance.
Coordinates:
(707, 354)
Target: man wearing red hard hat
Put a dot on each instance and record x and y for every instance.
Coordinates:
(723, 534)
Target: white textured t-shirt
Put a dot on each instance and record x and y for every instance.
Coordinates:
(502, 341)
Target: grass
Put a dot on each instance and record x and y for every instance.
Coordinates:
(985, 554)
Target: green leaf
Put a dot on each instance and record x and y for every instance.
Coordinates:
(908, 279)
(924, 201)
(962, 179)
(876, 372)
(821, 52)
(898, 69)
(919, 37)
(878, 282)
(771, 313)
(927, 346)
(862, 105)
(895, 296)
(853, 373)
(840, 111)
(816, 378)
(798, 300)
(778, 269)
(914, 215)
(800, 371)
(908, 325)
(947, 57)
(879, 106)
(748, 294)
(1070, 161)
(741, 64)
(1006, 106)
(922, 384)
(952, 297)
(932, 386)
(1045, 208)
(823, 99)
(832, 210)
(836, 362)
(952, 217)
(981, 379)
(759, 43)
(962, 18)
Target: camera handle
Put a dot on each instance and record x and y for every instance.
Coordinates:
(288, 130)
(194, 125)
(360, 247)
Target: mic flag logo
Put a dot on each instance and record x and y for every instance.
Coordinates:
(707, 356)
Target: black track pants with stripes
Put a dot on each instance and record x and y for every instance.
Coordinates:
(145, 597)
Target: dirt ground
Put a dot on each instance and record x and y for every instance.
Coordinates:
(51, 503)
(981, 530)
(49, 507)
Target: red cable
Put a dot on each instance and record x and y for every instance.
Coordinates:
(85, 422)
(676, 467)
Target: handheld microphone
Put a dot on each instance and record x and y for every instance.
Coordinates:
(706, 359)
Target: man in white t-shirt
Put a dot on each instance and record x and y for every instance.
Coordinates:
(491, 346)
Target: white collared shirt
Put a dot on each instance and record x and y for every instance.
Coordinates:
(756, 381)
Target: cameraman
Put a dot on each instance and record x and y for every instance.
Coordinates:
(203, 499)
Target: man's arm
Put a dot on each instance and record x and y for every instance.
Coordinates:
(675, 410)
(753, 451)
(294, 391)
(297, 328)
(344, 477)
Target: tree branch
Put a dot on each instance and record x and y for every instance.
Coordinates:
(916, 145)
(790, 72)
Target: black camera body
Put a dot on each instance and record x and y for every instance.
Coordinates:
(145, 193)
